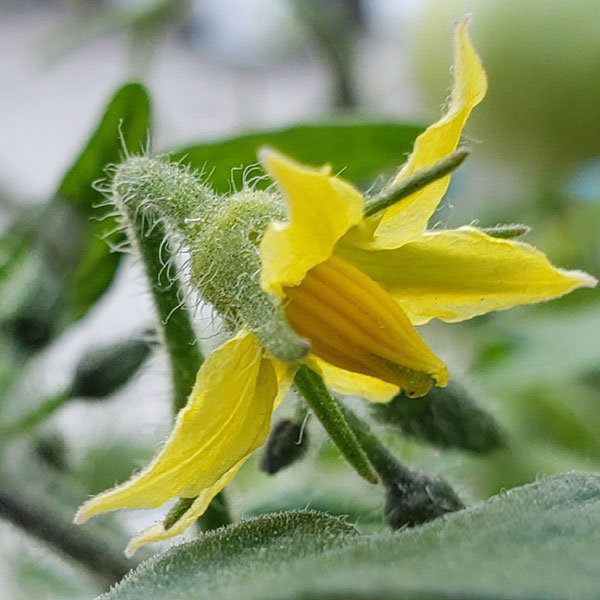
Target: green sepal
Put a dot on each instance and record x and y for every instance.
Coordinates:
(507, 232)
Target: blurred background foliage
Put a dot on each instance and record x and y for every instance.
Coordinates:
(84, 392)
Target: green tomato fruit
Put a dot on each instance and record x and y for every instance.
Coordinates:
(543, 62)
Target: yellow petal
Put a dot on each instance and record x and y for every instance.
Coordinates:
(285, 378)
(321, 209)
(158, 532)
(227, 416)
(409, 218)
(349, 382)
(458, 274)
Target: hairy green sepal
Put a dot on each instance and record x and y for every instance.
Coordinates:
(222, 235)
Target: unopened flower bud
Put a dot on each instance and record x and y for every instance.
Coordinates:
(418, 499)
(33, 324)
(103, 371)
(446, 417)
(286, 444)
(51, 450)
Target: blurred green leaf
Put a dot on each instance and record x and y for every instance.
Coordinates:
(93, 275)
(358, 151)
(126, 121)
(550, 348)
(111, 462)
(538, 541)
(48, 579)
(20, 269)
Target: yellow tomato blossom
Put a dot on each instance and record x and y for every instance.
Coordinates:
(354, 287)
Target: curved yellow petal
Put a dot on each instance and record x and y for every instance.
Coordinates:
(285, 378)
(158, 532)
(461, 273)
(408, 218)
(227, 416)
(321, 209)
(351, 383)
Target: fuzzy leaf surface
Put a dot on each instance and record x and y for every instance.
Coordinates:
(539, 541)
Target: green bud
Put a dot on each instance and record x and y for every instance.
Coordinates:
(31, 331)
(411, 498)
(51, 450)
(33, 295)
(287, 443)
(222, 235)
(418, 499)
(446, 417)
(103, 371)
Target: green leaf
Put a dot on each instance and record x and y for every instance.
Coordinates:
(539, 541)
(359, 151)
(20, 270)
(222, 559)
(126, 121)
(93, 275)
(550, 348)
(127, 118)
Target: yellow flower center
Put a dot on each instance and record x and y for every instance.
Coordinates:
(354, 324)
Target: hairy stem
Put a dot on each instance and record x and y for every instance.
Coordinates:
(175, 324)
(411, 498)
(312, 387)
(413, 183)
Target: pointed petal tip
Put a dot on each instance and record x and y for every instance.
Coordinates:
(578, 278)
(82, 515)
(441, 378)
(133, 546)
(89, 509)
(264, 153)
(585, 279)
(465, 19)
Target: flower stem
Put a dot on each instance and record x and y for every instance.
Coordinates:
(411, 498)
(175, 324)
(37, 415)
(312, 387)
(415, 182)
(104, 562)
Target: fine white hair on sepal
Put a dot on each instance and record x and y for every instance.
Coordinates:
(211, 242)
